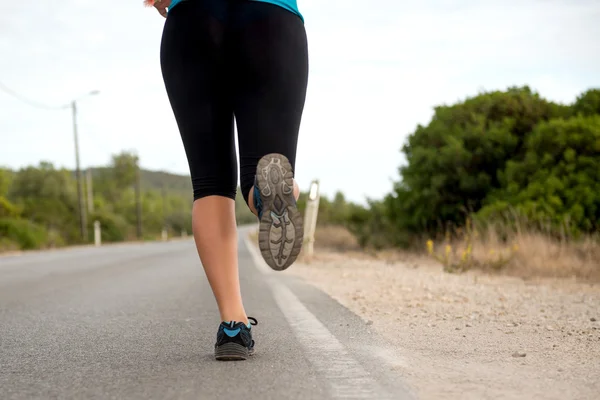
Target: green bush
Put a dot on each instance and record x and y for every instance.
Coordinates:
(370, 225)
(558, 180)
(114, 228)
(7, 244)
(48, 197)
(180, 221)
(588, 103)
(453, 163)
(510, 156)
(7, 209)
(26, 234)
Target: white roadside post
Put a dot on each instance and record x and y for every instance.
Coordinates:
(97, 234)
(164, 234)
(310, 217)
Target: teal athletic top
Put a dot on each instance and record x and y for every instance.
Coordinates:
(289, 5)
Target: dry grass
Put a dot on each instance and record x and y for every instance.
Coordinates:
(327, 238)
(331, 237)
(540, 255)
(521, 252)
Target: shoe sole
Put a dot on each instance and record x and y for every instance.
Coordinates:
(281, 232)
(232, 352)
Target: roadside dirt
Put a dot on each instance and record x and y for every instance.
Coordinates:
(472, 336)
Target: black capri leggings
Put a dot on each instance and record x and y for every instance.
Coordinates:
(226, 58)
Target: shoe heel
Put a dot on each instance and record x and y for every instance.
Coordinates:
(231, 352)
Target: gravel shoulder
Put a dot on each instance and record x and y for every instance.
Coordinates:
(472, 336)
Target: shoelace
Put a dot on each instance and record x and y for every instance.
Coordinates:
(253, 321)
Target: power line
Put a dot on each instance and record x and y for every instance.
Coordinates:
(73, 106)
(27, 101)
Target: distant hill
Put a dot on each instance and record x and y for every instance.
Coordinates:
(171, 182)
(181, 184)
(156, 180)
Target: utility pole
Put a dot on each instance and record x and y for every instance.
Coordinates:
(138, 200)
(90, 191)
(81, 202)
(80, 195)
(82, 212)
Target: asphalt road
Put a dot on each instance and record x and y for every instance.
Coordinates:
(138, 321)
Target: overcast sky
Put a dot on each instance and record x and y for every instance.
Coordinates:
(378, 67)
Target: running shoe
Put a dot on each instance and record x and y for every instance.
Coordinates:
(281, 232)
(234, 340)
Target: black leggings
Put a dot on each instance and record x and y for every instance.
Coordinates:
(226, 58)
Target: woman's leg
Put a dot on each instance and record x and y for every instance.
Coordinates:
(271, 74)
(194, 69)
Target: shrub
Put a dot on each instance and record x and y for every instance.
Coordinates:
(114, 228)
(26, 234)
(558, 181)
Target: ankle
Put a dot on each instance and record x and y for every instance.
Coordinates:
(236, 318)
(296, 190)
(252, 201)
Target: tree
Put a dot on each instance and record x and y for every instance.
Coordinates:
(48, 197)
(7, 209)
(123, 169)
(118, 179)
(588, 103)
(453, 163)
(39, 208)
(558, 180)
(5, 180)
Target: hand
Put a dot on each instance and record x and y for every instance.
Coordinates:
(160, 5)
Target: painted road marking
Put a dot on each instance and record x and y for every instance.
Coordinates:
(346, 378)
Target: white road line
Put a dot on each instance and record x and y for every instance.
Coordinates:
(347, 379)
